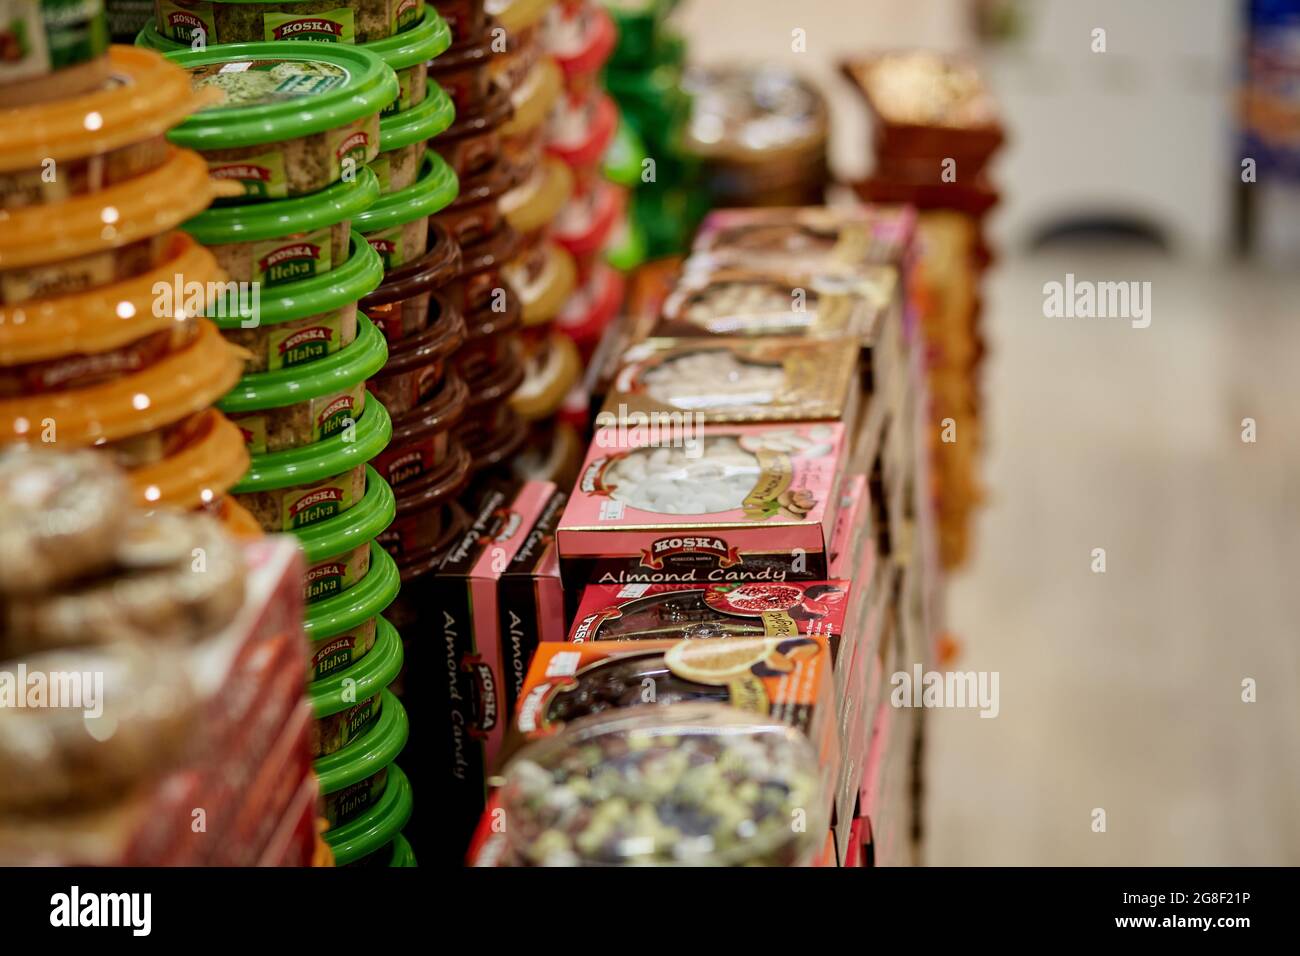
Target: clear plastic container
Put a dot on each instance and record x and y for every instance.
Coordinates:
(682, 785)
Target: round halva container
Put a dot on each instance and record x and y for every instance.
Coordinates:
(295, 118)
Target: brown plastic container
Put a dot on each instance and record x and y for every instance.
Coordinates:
(472, 144)
(419, 526)
(476, 212)
(467, 18)
(421, 441)
(463, 71)
(488, 448)
(400, 307)
(491, 344)
(481, 276)
(415, 367)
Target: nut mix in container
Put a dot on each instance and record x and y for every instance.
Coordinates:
(726, 785)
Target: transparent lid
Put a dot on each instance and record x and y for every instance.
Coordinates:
(697, 784)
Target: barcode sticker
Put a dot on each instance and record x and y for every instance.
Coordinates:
(611, 510)
(633, 590)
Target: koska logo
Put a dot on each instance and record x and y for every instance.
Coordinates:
(67, 690)
(1083, 299)
(922, 688)
(74, 909)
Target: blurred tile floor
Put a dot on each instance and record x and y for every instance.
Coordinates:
(1123, 690)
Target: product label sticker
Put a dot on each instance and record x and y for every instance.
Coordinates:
(304, 342)
(262, 176)
(253, 428)
(332, 413)
(278, 261)
(383, 172)
(328, 26)
(405, 14)
(184, 20)
(352, 146)
(388, 243)
(403, 101)
(611, 510)
(308, 506)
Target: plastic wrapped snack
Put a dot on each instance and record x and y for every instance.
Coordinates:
(687, 784)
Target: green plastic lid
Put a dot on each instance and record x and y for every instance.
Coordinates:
(354, 527)
(323, 459)
(379, 745)
(359, 603)
(623, 159)
(349, 366)
(434, 190)
(251, 222)
(321, 86)
(362, 680)
(421, 42)
(627, 250)
(369, 832)
(424, 41)
(418, 123)
(356, 278)
(403, 855)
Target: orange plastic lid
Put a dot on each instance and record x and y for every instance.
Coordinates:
(146, 96)
(137, 208)
(200, 472)
(536, 202)
(544, 297)
(185, 382)
(239, 521)
(534, 97)
(105, 318)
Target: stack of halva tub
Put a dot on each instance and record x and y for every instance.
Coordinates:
(323, 227)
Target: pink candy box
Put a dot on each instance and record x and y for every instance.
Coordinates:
(664, 500)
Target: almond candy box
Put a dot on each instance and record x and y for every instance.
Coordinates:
(661, 500)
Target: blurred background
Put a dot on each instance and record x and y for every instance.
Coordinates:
(1121, 690)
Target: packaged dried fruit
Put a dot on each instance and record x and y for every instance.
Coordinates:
(130, 417)
(99, 238)
(285, 241)
(348, 703)
(403, 137)
(787, 678)
(353, 779)
(248, 21)
(298, 323)
(397, 225)
(727, 785)
(341, 630)
(81, 144)
(338, 550)
(291, 120)
(422, 438)
(299, 405)
(292, 489)
(677, 502)
(808, 239)
(737, 380)
(54, 49)
(477, 620)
